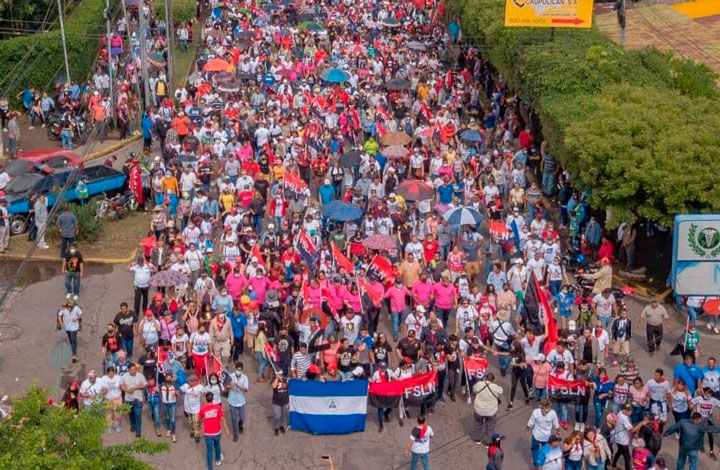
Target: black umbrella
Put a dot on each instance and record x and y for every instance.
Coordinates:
(351, 159)
(398, 84)
(302, 17)
(245, 35)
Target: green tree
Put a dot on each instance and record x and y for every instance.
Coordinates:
(39, 436)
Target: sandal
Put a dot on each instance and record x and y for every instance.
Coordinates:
(174, 439)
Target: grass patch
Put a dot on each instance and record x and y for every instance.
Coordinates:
(184, 59)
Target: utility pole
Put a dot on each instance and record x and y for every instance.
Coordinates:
(143, 55)
(110, 67)
(169, 33)
(622, 19)
(62, 32)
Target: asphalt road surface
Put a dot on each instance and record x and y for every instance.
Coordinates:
(29, 340)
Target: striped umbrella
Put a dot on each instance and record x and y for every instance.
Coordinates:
(463, 216)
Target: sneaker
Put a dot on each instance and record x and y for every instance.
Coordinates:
(118, 428)
(276, 432)
(31, 127)
(380, 427)
(480, 443)
(712, 455)
(716, 330)
(709, 326)
(282, 430)
(222, 457)
(75, 297)
(509, 407)
(452, 398)
(564, 424)
(197, 439)
(235, 438)
(68, 296)
(167, 434)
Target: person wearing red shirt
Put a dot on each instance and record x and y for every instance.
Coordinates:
(430, 247)
(214, 423)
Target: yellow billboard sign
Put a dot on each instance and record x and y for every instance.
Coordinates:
(548, 13)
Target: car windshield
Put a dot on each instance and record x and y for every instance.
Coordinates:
(22, 183)
(17, 167)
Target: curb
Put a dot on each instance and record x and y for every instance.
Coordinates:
(125, 260)
(112, 148)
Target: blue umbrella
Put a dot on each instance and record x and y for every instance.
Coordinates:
(271, 7)
(471, 135)
(338, 210)
(390, 22)
(334, 75)
(463, 216)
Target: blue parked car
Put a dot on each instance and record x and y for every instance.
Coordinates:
(99, 179)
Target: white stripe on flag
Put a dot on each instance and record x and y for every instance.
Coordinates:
(329, 405)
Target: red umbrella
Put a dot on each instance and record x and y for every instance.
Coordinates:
(415, 190)
(712, 307)
(499, 229)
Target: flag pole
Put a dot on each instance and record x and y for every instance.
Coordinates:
(467, 381)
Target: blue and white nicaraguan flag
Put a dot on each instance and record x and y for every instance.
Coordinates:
(328, 407)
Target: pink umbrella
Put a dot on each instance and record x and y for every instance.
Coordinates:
(395, 151)
(379, 242)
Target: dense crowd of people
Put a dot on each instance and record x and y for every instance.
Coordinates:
(346, 190)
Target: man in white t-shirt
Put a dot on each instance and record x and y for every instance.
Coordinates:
(537, 265)
(605, 307)
(193, 391)
(91, 390)
(465, 315)
(418, 446)
(543, 421)
(350, 326)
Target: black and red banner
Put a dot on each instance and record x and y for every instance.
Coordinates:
(565, 390)
(475, 367)
(381, 268)
(413, 391)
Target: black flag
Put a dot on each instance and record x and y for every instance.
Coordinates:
(532, 305)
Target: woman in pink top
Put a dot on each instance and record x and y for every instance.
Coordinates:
(352, 299)
(397, 294)
(445, 298)
(455, 262)
(314, 293)
(639, 400)
(541, 369)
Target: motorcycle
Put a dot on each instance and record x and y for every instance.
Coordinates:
(119, 205)
(79, 129)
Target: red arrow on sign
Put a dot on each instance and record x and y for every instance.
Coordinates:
(568, 20)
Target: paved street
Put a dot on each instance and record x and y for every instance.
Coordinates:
(25, 360)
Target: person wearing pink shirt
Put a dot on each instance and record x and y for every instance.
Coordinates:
(336, 294)
(259, 284)
(236, 283)
(422, 291)
(314, 293)
(376, 291)
(352, 299)
(397, 294)
(446, 296)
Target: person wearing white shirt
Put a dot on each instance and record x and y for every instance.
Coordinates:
(193, 392)
(91, 390)
(112, 394)
(543, 421)
(134, 384)
(623, 433)
(537, 265)
(237, 388)
(465, 316)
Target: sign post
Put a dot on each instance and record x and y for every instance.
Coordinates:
(548, 13)
(696, 255)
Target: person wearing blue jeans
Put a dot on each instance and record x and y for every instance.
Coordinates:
(692, 436)
(211, 415)
(418, 447)
(134, 384)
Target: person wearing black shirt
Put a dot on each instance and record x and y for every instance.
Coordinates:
(126, 321)
(149, 364)
(110, 344)
(280, 401)
(408, 346)
(344, 360)
(452, 359)
(380, 351)
(285, 346)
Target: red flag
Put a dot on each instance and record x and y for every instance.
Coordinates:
(374, 295)
(305, 245)
(270, 154)
(552, 329)
(217, 366)
(162, 356)
(294, 183)
(271, 353)
(413, 391)
(340, 259)
(381, 131)
(475, 367)
(382, 268)
(381, 113)
(565, 390)
(255, 253)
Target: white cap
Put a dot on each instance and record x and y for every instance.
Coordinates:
(420, 309)
(271, 225)
(540, 357)
(254, 259)
(327, 180)
(571, 325)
